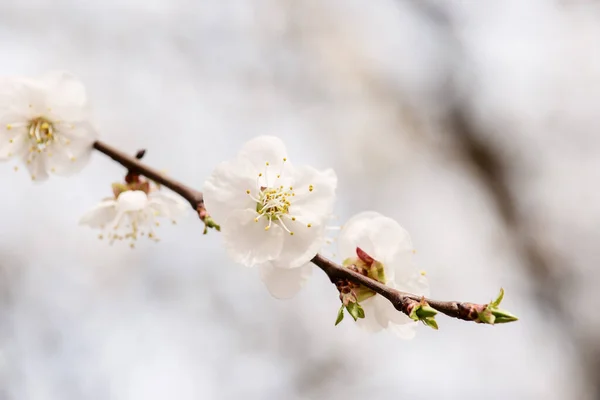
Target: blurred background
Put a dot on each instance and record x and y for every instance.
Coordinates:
(472, 123)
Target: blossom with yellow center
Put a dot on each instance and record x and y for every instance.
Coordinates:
(45, 122)
(270, 210)
(134, 214)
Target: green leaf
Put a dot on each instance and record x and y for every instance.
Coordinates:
(340, 315)
(425, 311)
(361, 311)
(430, 322)
(355, 310)
(503, 316)
(498, 300)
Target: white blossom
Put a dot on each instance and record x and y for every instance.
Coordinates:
(285, 283)
(134, 214)
(387, 242)
(268, 209)
(45, 122)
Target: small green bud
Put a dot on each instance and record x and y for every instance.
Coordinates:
(486, 316)
(340, 315)
(355, 310)
(425, 313)
(210, 223)
(503, 316)
(494, 315)
(498, 300)
(430, 322)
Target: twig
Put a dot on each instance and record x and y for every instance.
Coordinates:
(402, 301)
(454, 309)
(193, 196)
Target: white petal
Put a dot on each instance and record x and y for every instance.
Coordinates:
(131, 200)
(302, 246)
(36, 164)
(100, 215)
(285, 283)
(65, 159)
(22, 97)
(355, 233)
(168, 204)
(387, 314)
(66, 97)
(413, 283)
(13, 143)
(263, 149)
(318, 202)
(369, 323)
(382, 238)
(248, 242)
(225, 190)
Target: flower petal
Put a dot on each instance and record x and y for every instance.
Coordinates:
(355, 233)
(263, 149)
(12, 143)
(317, 202)
(413, 282)
(247, 241)
(382, 238)
(68, 159)
(302, 246)
(21, 97)
(167, 204)
(66, 97)
(225, 190)
(285, 283)
(387, 314)
(100, 215)
(36, 164)
(369, 323)
(131, 200)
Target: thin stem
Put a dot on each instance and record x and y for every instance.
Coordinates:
(133, 164)
(454, 309)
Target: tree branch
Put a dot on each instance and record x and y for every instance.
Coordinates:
(402, 301)
(133, 164)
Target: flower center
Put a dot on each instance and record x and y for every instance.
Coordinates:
(273, 202)
(41, 131)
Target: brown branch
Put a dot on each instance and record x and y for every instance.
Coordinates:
(133, 164)
(454, 309)
(402, 301)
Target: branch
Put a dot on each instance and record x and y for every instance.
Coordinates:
(133, 164)
(407, 303)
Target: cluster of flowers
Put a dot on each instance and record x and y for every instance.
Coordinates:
(45, 122)
(273, 214)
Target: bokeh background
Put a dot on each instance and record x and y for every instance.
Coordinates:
(474, 123)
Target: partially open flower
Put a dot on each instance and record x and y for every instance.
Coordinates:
(134, 214)
(268, 209)
(380, 248)
(45, 122)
